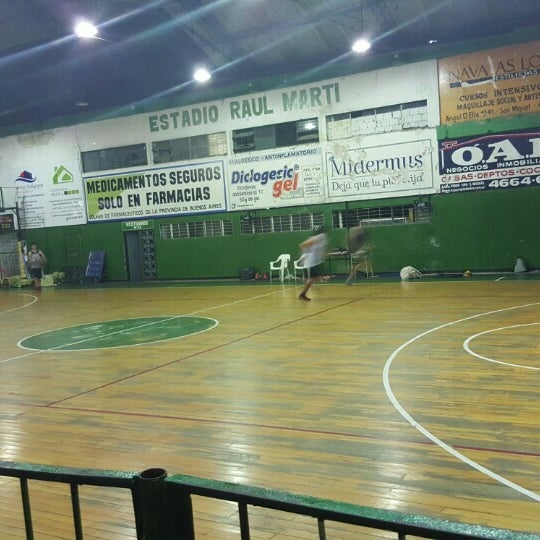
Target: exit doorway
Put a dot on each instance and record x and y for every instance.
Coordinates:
(140, 255)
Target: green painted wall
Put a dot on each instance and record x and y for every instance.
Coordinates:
(70, 246)
(469, 231)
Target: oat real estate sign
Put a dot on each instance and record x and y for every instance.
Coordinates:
(490, 84)
(496, 161)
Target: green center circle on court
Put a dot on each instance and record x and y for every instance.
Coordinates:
(118, 333)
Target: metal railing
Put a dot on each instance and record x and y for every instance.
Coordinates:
(163, 505)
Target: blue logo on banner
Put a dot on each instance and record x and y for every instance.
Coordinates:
(27, 177)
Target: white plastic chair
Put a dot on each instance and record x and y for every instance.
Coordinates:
(280, 265)
(299, 266)
(361, 260)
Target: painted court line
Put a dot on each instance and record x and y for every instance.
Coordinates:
(34, 300)
(58, 348)
(117, 332)
(471, 352)
(196, 353)
(275, 427)
(451, 450)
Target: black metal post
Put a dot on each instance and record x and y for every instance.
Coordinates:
(322, 530)
(149, 504)
(26, 509)
(244, 521)
(76, 507)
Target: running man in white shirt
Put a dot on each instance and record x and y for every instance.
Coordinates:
(314, 251)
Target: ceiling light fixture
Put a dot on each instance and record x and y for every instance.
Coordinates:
(361, 46)
(202, 75)
(85, 29)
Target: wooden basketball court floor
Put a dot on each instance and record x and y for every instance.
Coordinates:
(418, 396)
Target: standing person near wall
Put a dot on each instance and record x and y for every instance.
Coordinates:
(360, 249)
(313, 251)
(36, 262)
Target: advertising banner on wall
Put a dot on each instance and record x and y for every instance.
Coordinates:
(185, 189)
(379, 171)
(490, 84)
(397, 84)
(501, 161)
(274, 179)
(52, 199)
(42, 174)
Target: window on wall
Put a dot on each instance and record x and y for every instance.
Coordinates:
(187, 148)
(275, 135)
(408, 115)
(418, 212)
(114, 158)
(196, 229)
(252, 224)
